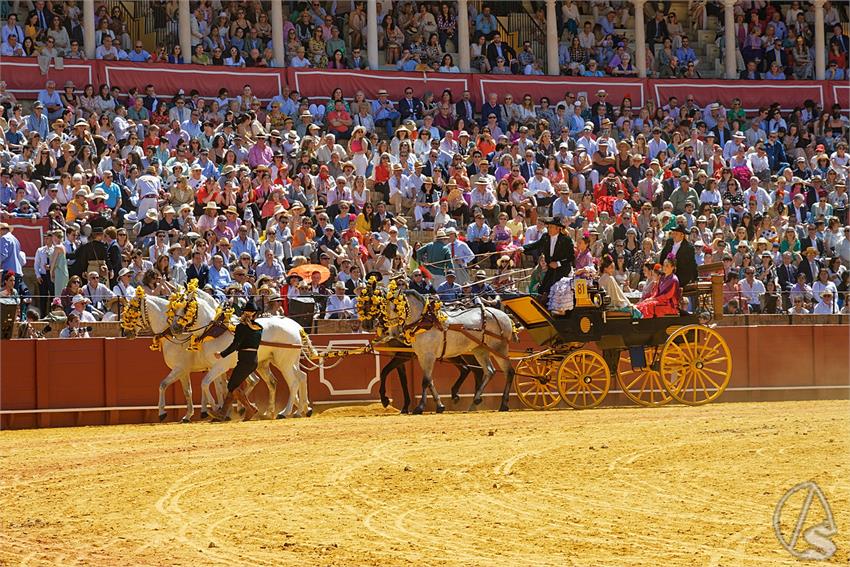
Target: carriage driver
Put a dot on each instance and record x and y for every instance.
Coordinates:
(246, 341)
(558, 250)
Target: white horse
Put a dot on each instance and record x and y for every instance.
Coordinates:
(283, 348)
(181, 361)
(483, 332)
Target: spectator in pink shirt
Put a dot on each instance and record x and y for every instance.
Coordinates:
(260, 154)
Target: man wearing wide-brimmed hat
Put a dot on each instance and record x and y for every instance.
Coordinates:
(679, 246)
(558, 250)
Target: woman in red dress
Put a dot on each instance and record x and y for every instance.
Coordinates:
(665, 300)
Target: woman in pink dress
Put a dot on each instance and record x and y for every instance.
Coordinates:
(665, 300)
(584, 266)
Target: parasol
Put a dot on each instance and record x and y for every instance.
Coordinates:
(306, 271)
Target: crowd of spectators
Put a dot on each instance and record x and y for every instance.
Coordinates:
(774, 40)
(152, 191)
(148, 190)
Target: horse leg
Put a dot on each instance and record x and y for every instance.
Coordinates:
(487, 372)
(395, 363)
(303, 396)
(271, 383)
(206, 395)
(402, 377)
(427, 364)
(215, 374)
(186, 381)
(464, 372)
(508, 369)
(170, 379)
(292, 384)
(440, 407)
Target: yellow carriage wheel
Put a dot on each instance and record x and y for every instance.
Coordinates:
(583, 379)
(696, 365)
(536, 384)
(643, 386)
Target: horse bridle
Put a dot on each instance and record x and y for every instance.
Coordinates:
(167, 334)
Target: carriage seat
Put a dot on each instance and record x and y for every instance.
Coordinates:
(702, 286)
(618, 315)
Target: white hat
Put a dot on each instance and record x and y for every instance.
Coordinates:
(79, 298)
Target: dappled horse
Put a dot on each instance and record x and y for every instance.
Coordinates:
(483, 332)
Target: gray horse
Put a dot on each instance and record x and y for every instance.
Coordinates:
(488, 332)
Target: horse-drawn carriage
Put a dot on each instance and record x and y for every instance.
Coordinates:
(654, 360)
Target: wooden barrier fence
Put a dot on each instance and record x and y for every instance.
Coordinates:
(63, 382)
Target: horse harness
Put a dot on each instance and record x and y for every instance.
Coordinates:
(428, 320)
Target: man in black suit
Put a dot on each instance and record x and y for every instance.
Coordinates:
(114, 260)
(198, 270)
(810, 266)
(558, 250)
(775, 53)
(465, 108)
(656, 29)
(45, 16)
(722, 133)
(811, 240)
(528, 166)
(683, 251)
(357, 60)
(787, 273)
(381, 213)
(497, 49)
(410, 107)
(433, 165)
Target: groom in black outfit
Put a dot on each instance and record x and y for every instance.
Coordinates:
(558, 250)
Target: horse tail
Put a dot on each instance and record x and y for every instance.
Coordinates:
(307, 345)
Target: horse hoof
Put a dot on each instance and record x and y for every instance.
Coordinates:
(310, 412)
(204, 415)
(476, 401)
(455, 397)
(405, 410)
(385, 401)
(441, 409)
(185, 420)
(162, 417)
(280, 416)
(417, 410)
(503, 407)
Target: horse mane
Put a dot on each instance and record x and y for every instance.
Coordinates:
(415, 294)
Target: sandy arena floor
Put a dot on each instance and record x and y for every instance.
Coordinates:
(350, 487)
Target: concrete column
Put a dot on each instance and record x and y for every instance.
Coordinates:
(184, 29)
(277, 33)
(820, 41)
(372, 32)
(88, 28)
(729, 41)
(463, 35)
(640, 38)
(552, 67)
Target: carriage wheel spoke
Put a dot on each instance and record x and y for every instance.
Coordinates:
(707, 377)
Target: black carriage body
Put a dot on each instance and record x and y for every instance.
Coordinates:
(610, 330)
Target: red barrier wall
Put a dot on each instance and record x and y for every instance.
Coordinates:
(30, 233)
(24, 79)
(94, 373)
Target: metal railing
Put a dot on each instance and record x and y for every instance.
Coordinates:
(521, 27)
(134, 23)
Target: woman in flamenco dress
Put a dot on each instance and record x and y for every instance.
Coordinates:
(665, 300)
